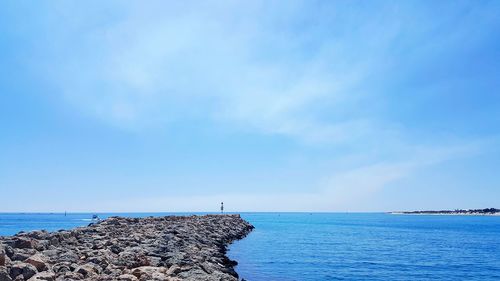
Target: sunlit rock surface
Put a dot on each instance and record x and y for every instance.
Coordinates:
(160, 248)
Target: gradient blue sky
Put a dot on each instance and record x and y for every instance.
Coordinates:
(265, 105)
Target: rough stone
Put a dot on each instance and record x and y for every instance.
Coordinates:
(39, 261)
(9, 251)
(70, 276)
(127, 277)
(88, 269)
(20, 268)
(3, 256)
(132, 259)
(62, 267)
(21, 256)
(147, 271)
(23, 243)
(173, 270)
(128, 249)
(43, 276)
(4, 274)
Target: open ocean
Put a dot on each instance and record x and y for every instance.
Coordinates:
(338, 246)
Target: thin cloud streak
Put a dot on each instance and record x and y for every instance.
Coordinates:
(150, 71)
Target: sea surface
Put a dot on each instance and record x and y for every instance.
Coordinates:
(340, 246)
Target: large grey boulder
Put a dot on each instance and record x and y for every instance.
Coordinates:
(4, 274)
(39, 261)
(23, 243)
(20, 268)
(3, 256)
(88, 269)
(127, 277)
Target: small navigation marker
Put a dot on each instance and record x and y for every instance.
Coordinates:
(222, 207)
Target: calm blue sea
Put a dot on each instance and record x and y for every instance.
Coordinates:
(336, 246)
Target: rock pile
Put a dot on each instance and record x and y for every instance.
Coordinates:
(127, 249)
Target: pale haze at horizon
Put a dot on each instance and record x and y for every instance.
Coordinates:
(268, 106)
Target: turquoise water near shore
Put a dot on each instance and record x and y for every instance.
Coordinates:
(337, 246)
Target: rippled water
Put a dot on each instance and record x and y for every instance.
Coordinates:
(298, 246)
(302, 246)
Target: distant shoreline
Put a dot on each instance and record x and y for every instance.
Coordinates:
(440, 214)
(472, 212)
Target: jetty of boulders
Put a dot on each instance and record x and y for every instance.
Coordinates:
(126, 249)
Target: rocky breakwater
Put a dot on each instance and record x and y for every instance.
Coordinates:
(128, 249)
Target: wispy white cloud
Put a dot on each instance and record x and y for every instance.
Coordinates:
(319, 75)
(348, 188)
(146, 68)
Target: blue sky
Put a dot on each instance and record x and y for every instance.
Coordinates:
(265, 105)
